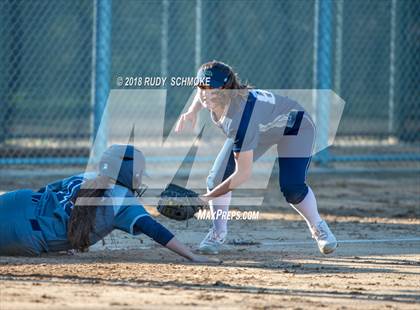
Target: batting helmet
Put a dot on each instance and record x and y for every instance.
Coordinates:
(126, 165)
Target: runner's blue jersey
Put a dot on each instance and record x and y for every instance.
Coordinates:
(55, 206)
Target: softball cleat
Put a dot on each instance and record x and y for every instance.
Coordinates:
(325, 239)
(212, 243)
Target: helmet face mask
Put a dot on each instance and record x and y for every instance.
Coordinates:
(138, 187)
(140, 190)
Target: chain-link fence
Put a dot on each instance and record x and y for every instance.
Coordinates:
(59, 59)
(45, 61)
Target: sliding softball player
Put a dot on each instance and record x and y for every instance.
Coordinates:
(78, 211)
(253, 120)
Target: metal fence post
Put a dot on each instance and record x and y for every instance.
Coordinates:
(102, 67)
(198, 29)
(338, 45)
(323, 74)
(164, 39)
(203, 117)
(391, 108)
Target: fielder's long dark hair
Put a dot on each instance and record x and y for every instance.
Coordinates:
(83, 217)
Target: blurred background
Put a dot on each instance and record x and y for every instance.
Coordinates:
(60, 59)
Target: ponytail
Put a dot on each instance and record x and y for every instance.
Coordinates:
(83, 217)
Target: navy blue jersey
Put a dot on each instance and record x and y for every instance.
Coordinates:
(64, 191)
(55, 205)
(35, 222)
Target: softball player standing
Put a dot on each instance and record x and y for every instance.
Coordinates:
(253, 120)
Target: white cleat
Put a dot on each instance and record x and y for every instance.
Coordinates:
(212, 243)
(324, 237)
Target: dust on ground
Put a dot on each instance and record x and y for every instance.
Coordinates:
(281, 269)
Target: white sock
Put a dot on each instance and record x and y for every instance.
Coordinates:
(308, 209)
(220, 206)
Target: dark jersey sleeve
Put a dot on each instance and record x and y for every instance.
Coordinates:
(133, 218)
(127, 217)
(127, 209)
(148, 226)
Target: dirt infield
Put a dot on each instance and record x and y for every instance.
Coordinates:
(281, 269)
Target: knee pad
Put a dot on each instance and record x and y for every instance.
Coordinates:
(294, 194)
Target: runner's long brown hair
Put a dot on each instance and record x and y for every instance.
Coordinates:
(82, 219)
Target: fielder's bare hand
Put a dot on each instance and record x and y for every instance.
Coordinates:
(190, 116)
